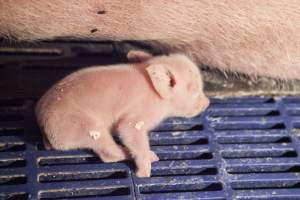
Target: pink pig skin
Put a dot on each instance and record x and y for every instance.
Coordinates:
(255, 37)
(129, 99)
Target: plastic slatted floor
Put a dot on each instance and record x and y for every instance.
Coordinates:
(240, 148)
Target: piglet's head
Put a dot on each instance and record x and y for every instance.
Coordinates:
(178, 82)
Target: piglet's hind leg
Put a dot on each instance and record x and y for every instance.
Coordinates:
(108, 150)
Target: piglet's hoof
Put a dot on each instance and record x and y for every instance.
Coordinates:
(113, 159)
(143, 173)
(153, 157)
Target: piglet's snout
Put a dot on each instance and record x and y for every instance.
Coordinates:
(201, 106)
(205, 103)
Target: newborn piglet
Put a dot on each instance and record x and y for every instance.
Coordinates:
(87, 107)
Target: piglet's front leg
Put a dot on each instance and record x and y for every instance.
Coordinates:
(133, 132)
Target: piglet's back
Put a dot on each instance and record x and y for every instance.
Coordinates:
(101, 93)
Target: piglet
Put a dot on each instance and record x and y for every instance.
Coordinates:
(86, 108)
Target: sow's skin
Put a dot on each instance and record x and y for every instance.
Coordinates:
(254, 37)
(86, 108)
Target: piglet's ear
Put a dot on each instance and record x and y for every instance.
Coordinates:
(138, 56)
(163, 80)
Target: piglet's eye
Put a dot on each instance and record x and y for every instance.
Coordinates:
(172, 83)
(172, 79)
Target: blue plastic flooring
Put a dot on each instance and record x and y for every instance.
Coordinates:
(240, 148)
